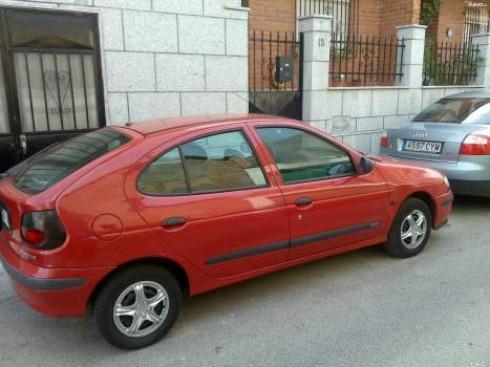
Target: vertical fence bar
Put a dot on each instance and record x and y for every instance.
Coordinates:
(402, 58)
(270, 63)
(68, 56)
(254, 43)
(58, 89)
(43, 80)
(29, 87)
(333, 59)
(85, 90)
(353, 56)
(390, 57)
(262, 60)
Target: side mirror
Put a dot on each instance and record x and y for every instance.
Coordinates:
(366, 165)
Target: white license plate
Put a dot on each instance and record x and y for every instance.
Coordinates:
(5, 219)
(422, 146)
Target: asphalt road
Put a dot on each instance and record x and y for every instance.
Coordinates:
(358, 309)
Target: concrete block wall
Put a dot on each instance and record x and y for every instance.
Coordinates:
(164, 58)
(358, 116)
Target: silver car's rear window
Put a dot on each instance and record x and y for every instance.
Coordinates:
(451, 110)
(53, 164)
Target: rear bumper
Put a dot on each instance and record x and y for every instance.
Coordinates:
(62, 292)
(38, 283)
(471, 188)
(470, 175)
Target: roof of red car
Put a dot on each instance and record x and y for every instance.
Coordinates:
(154, 126)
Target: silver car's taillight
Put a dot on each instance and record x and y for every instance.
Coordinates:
(476, 144)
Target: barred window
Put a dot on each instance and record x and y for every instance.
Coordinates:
(476, 19)
(345, 14)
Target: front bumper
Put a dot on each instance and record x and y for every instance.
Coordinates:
(61, 292)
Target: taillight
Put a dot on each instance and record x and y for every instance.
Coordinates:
(476, 144)
(384, 142)
(43, 230)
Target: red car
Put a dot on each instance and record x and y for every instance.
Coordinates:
(125, 220)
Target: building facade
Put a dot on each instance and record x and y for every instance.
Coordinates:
(72, 65)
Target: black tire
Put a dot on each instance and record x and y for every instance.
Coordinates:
(104, 305)
(395, 246)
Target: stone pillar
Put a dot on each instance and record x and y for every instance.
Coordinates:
(413, 56)
(483, 72)
(316, 33)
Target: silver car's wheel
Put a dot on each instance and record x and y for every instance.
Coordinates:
(413, 229)
(141, 309)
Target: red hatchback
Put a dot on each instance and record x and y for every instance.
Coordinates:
(127, 219)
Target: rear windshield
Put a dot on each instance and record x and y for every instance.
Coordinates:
(51, 165)
(451, 110)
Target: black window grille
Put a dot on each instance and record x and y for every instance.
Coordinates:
(366, 60)
(345, 14)
(451, 64)
(476, 19)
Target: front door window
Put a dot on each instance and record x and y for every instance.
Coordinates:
(301, 156)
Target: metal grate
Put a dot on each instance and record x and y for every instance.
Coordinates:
(57, 90)
(450, 64)
(364, 61)
(476, 19)
(345, 13)
(264, 48)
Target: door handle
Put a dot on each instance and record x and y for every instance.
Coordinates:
(303, 201)
(174, 222)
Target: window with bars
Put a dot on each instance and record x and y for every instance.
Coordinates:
(345, 14)
(476, 19)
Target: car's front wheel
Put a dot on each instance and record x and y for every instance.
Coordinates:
(411, 229)
(137, 307)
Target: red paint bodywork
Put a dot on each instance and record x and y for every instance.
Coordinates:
(109, 224)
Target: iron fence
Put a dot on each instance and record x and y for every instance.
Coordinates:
(450, 64)
(345, 13)
(366, 61)
(270, 92)
(264, 50)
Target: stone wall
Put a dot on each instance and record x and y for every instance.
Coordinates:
(163, 58)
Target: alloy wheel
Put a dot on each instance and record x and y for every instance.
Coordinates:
(414, 229)
(141, 309)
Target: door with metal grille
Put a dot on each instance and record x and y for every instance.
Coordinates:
(50, 83)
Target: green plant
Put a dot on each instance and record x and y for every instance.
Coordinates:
(457, 69)
(429, 11)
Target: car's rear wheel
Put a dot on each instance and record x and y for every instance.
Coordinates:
(411, 229)
(137, 307)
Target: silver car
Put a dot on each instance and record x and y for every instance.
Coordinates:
(452, 136)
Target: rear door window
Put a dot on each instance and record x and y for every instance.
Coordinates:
(222, 162)
(215, 163)
(165, 176)
(52, 165)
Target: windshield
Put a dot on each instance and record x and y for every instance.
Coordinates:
(50, 166)
(451, 110)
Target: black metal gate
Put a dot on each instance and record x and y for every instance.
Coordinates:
(50, 80)
(268, 92)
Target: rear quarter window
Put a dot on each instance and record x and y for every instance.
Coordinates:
(54, 164)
